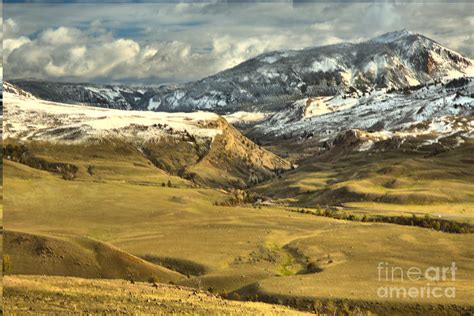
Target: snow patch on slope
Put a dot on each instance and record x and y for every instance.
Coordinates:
(325, 65)
(391, 36)
(33, 119)
(243, 117)
(271, 58)
(427, 133)
(153, 104)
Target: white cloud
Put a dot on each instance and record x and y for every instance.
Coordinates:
(231, 51)
(68, 52)
(74, 54)
(60, 36)
(11, 44)
(9, 27)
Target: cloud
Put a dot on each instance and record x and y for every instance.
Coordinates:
(68, 52)
(61, 35)
(157, 43)
(78, 55)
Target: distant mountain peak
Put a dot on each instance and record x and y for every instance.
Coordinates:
(391, 36)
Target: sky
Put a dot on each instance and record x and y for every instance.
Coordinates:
(155, 43)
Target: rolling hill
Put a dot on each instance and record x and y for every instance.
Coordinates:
(33, 254)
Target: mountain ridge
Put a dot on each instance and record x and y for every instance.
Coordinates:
(274, 79)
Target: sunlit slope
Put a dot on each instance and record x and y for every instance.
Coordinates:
(441, 181)
(30, 296)
(348, 257)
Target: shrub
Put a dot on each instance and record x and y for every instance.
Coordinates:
(6, 264)
(153, 279)
(234, 296)
(90, 170)
(313, 267)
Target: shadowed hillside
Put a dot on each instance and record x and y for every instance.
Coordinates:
(78, 256)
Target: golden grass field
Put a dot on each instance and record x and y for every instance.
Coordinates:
(392, 181)
(30, 295)
(103, 223)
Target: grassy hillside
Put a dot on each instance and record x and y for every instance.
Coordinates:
(383, 182)
(200, 147)
(347, 258)
(80, 257)
(27, 295)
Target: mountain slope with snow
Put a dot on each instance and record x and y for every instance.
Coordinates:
(376, 110)
(395, 114)
(29, 118)
(191, 145)
(106, 96)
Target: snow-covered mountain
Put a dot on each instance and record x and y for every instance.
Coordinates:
(272, 80)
